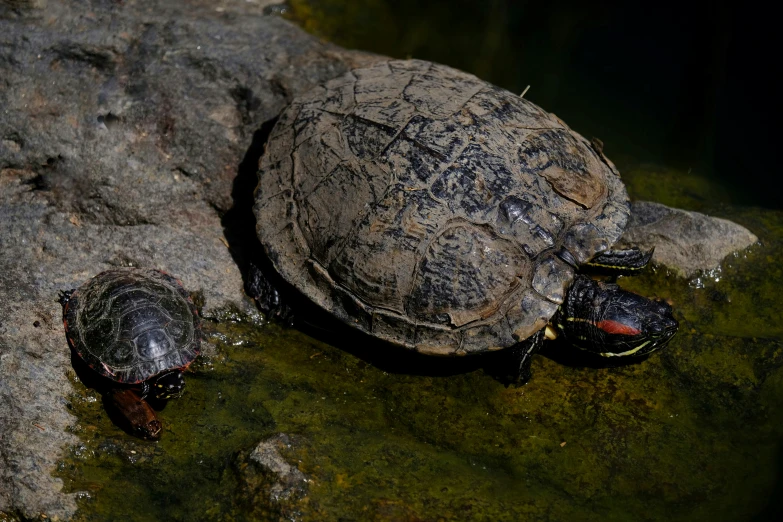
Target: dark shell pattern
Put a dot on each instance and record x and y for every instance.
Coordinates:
(425, 206)
(132, 324)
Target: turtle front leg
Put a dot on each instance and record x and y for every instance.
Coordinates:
(620, 262)
(512, 365)
(139, 415)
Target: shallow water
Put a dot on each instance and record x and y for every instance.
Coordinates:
(690, 433)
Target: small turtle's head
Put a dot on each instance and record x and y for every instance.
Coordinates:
(149, 430)
(135, 413)
(169, 385)
(604, 319)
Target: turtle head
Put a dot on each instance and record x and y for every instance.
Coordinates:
(135, 413)
(602, 318)
(148, 430)
(167, 385)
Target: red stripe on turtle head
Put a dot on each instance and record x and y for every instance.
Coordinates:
(615, 327)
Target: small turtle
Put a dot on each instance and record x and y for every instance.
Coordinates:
(437, 212)
(138, 328)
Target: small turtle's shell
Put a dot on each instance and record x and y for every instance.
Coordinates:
(131, 324)
(427, 207)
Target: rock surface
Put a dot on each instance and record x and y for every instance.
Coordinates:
(267, 478)
(687, 242)
(287, 480)
(122, 127)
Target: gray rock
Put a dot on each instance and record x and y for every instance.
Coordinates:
(283, 480)
(270, 486)
(684, 241)
(122, 129)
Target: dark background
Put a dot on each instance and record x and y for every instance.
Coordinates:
(686, 86)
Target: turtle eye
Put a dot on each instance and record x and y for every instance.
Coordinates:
(656, 328)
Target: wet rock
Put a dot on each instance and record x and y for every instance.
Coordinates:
(732, 370)
(122, 129)
(684, 241)
(286, 480)
(269, 480)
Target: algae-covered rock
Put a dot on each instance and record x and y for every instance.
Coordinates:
(286, 480)
(687, 242)
(269, 481)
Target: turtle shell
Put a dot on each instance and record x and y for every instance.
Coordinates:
(131, 324)
(432, 209)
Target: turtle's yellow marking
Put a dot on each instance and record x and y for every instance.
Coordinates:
(550, 333)
(617, 267)
(629, 352)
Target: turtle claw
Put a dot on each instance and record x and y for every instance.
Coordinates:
(64, 297)
(621, 262)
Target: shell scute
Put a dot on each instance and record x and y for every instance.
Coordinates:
(466, 273)
(474, 185)
(366, 139)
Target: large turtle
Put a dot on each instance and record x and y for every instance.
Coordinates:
(138, 328)
(438, 212)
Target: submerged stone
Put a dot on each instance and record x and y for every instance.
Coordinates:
(687, 242)
(268, 481)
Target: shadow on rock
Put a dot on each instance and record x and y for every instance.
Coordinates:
(239, 223)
